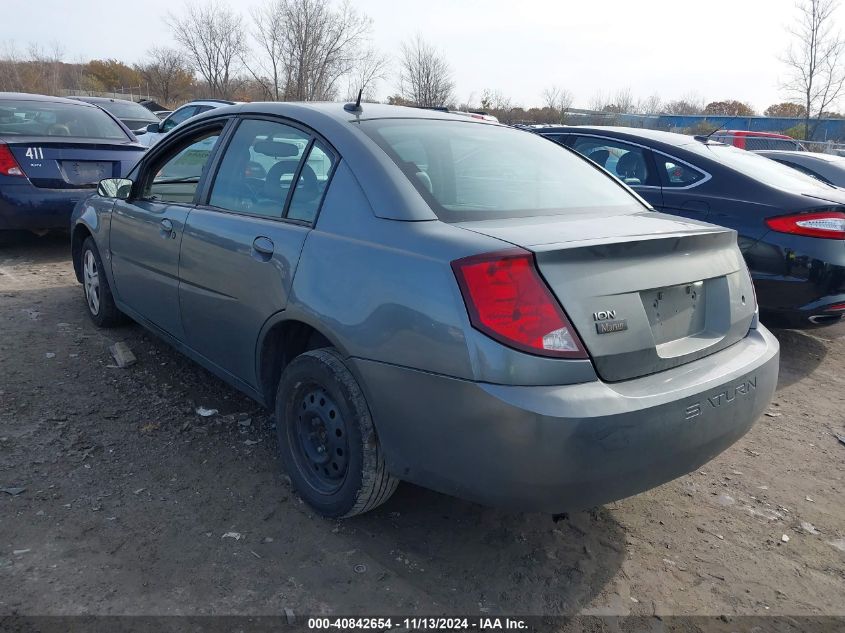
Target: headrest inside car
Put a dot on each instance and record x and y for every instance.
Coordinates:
(276, 149)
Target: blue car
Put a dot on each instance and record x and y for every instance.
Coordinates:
(53, 152)
(791, 227)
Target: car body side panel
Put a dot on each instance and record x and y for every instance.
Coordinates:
(411, 312)
(226, 286)
(145, 259)
(92, 215)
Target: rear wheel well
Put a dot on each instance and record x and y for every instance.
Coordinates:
(284, 342)
(80, 234)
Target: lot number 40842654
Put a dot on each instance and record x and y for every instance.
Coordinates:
(34, 153)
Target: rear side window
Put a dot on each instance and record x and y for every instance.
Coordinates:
(312, 183)
(677, 174)
(43, 118)
(627, 162)
(258, 168)
(474, 171)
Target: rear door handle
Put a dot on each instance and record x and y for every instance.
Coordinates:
(263, 245)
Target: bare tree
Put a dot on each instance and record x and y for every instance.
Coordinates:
(10, 69)
(815, 59)
(213, 38)
(691, 103)
(558, 99)
(425, 77)
(650, 105)
(308, 46)
(166, 73)
(371, 68)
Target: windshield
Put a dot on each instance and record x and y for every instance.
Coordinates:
(43, 118)
(471, 171)
(760, 168)
(128, 110)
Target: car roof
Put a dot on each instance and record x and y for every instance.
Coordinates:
(633, 133)
(27, 96)
(750, 133)
(827, 158)
(211, 102)
(104, 100)
(337, 111)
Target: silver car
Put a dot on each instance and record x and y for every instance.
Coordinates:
(433, 298)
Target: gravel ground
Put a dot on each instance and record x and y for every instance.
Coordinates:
(134, 504)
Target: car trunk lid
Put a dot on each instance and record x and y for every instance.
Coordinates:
(645, 291)
(72, 163)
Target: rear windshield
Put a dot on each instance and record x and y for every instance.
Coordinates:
(128, 110)
(764, 169)
(43, 118)
(471, 171)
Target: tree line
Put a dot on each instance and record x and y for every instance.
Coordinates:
(321, 50)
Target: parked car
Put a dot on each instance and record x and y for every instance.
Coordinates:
(154, 132)
(744, 139)
(53, 152)
(433, 298)
(828, 168)
(791, 227)
(132, 115)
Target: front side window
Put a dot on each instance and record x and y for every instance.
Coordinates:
(258, 168)
(182, 114)
(176, 175)
(677, 174)
(475, 171)
(627, 162)
(312, 184)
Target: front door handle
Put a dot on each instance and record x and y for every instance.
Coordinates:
(167, 229)
(263, 245)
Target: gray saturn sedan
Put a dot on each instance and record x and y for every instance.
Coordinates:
(433, 298)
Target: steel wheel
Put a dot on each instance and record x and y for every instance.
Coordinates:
(320, 442)
(91, 281)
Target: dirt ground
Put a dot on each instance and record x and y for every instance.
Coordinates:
(134, 504)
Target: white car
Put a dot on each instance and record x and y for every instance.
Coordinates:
(154, 132)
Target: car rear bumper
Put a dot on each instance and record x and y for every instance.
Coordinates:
(24, 206)
(560, 448)
(797, 279)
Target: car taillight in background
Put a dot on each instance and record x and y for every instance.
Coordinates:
(824, 224)
(508, 300)
(8, 165)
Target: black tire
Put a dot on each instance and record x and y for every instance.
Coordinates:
(319, 404)
(103, 311)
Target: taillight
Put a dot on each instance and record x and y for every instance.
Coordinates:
(839, 307)
(8, 165)
(824, 224)
(508, 300)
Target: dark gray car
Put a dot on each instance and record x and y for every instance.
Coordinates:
(825, 167)
(432, 298)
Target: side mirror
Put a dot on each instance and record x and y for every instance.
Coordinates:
(114, 188)
(153, 127)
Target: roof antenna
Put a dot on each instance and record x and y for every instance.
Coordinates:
(355, 107)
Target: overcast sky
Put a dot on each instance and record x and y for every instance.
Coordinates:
(719, 49)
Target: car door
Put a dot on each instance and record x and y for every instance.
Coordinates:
(146, 230)
(241, 246)
(632, 164)
(683, 193)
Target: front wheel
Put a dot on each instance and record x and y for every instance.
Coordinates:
(98, 298)
(327, 440)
